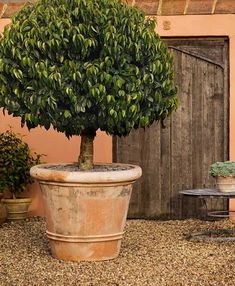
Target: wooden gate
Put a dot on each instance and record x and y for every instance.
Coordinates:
(178, 156)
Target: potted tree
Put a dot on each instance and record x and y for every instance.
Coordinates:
(15, 164)
(80, 66)
(224, 173)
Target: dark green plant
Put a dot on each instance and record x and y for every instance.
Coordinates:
(223, 169)
(83, 65)
(15, 163)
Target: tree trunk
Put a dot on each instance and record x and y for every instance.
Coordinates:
(85, 160)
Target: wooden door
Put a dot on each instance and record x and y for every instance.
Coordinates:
(178, 156)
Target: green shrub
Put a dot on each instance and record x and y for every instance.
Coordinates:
(223, 169)
(83, 65)
(15, 163)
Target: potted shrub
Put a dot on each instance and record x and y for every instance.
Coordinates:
(15, 164)
(80, 66)
(224, 173)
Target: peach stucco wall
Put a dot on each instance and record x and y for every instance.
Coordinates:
(58, 148)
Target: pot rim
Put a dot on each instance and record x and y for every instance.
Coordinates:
(16, 201)
(129, 175)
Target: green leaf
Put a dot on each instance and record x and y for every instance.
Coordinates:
(109, 97)
(67, 114)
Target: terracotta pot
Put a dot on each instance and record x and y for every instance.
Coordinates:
(17, 209)
(3, 211)
(226, 184)
(85, 211)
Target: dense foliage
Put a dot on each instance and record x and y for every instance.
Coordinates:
(15, 163)
(223, 169)
(81, 65)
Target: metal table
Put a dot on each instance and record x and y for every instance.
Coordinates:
(204, 194)
(211, 193)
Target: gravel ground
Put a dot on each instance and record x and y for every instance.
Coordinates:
(153, 253)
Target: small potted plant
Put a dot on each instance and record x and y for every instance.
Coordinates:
(15, 164)
(224, 173)
(80, 66)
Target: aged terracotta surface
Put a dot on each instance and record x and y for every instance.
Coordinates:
(17, 209)
(85, 211)
(226, 184)
(3, 211)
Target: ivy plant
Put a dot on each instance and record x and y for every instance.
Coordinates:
(223, 169)
(83, 65)
(15, 163)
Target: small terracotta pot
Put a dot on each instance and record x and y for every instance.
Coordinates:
(85, 211)
(226, 184)
(17, 209)
(3, 211)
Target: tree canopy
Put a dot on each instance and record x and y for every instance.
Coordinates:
(81, 65)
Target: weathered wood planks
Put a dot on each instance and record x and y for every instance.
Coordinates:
(178, 156)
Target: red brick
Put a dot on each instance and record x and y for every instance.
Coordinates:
(173, 7)
(200, 7)
(150, 7)
(225, 7)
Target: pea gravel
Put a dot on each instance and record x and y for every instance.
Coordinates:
(153, 253)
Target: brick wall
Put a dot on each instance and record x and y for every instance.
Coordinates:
(152, 7)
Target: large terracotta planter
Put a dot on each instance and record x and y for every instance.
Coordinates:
(226, 184)
(85, 211)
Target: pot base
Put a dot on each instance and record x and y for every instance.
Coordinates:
(85, 251)
(87, 248)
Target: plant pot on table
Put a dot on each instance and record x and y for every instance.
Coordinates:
(224, 173)
(225, 184)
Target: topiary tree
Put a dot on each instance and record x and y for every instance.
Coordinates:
(83, 65)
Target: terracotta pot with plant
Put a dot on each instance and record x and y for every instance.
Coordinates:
(15, 164)
(80, 66)
(224, 173)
